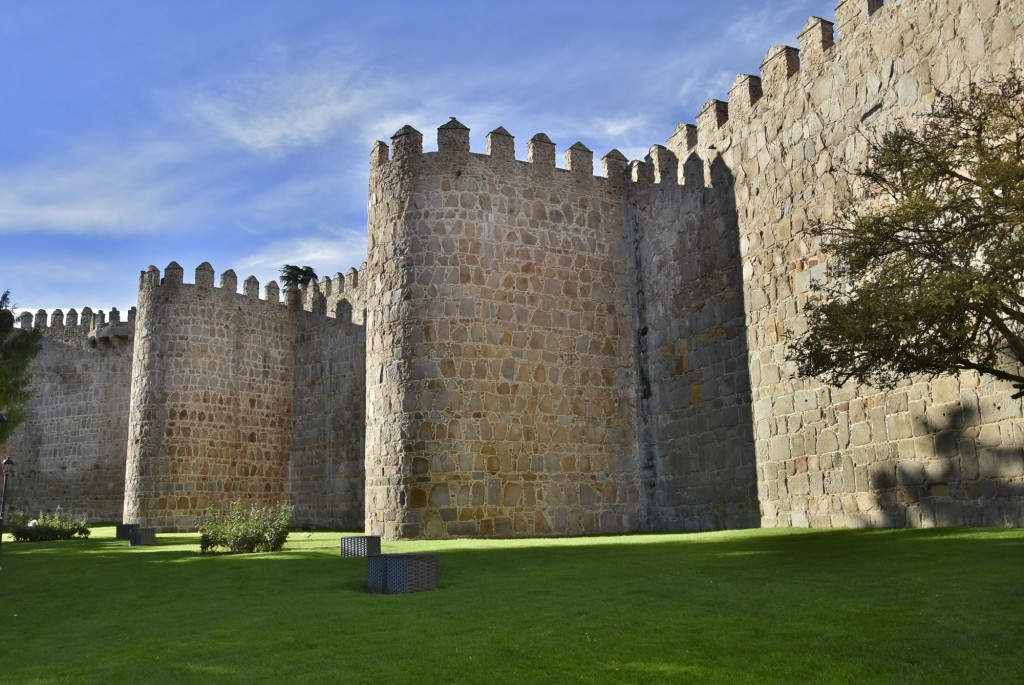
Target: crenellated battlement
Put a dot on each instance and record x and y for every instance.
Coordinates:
(690, 153)
(662, 166)
(453, 144)
(784, 69)
(323, 297)
(87, 326)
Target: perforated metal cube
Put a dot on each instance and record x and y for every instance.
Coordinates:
(400, 573)
(124, 530)
(142, 536)
(376, 573)
(360, 546)
(411, 572)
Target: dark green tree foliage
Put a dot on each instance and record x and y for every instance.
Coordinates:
(17, 348)
(295, 276)
(927, 276)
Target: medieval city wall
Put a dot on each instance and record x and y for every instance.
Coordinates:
(696, 444)
(70, 449)
(212, 397)
(328, 404)
(500, 378)
(947, 452)
(539, 351)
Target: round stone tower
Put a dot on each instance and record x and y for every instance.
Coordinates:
(500, 391)
(211, 401)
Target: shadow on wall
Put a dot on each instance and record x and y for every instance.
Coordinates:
(965, 473)
(695, 394)
(327, 438)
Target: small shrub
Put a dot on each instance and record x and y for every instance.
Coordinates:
(241, 530)
(57, 525)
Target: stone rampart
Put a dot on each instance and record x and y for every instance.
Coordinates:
(500, 379)
(212, 395)
(544, 351)
(696, 441)
(329, 417)
(948, 452)
(70, 450)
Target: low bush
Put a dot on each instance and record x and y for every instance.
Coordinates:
(240, 530)
(57, 525)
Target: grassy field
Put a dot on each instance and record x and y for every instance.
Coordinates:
(764, 606)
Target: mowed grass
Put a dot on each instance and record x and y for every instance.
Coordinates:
(761, 606)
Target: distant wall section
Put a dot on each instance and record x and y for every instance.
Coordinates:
(696, 439)
(328, 427)
(70, 450)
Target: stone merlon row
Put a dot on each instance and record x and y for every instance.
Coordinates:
(453, 140)
(311, 298)
(780, 64)
(660, 166)
(89, 320)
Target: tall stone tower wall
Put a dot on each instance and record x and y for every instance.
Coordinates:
(212, 397)
(500, 376)
(696, 441)
(70, 450)
(947, 452)
(329, 416)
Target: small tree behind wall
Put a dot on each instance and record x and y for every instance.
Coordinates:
(927, 276)
(295, 276)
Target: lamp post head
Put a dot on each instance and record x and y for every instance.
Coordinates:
(8, 465)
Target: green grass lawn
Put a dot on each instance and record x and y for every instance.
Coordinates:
(763, 606)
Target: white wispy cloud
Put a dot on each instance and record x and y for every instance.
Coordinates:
(115, 190)
(276, 112)
(620, 126)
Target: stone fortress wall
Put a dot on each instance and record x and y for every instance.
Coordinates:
(539, 351)
(328, 420)
(199, 399)
(237, 397)
(694, 389)
(949, 452)
(70, 451)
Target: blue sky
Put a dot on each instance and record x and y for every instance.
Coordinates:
(239, 131)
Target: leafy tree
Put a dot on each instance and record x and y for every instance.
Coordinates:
(17, 348)
(927, 275)
(295, 276)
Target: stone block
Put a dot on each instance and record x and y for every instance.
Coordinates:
(1000, 463)
(999, 407)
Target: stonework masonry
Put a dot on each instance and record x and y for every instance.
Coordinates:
(71, 450)
(499, 395)
(534, 350)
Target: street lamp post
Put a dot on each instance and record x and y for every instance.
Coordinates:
(8, 467)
